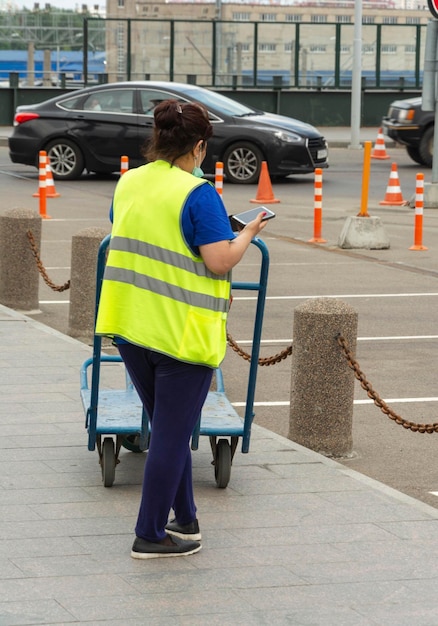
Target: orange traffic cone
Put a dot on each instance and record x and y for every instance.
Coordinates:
(379, 151)
(393, 196)
(265, 195)
(50, 184)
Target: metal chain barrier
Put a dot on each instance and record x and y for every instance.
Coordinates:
(269, 360)
(41, 267)
(381, 404)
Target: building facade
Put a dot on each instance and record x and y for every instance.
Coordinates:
(306, 44)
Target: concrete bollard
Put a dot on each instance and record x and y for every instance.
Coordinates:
(85, 246)
(19, 275)
(322, 389)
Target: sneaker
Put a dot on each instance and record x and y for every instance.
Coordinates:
(142, 549)
(186, 531)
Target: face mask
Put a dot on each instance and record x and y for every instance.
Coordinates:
(198, 172)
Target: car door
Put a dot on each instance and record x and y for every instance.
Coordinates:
(108, 128)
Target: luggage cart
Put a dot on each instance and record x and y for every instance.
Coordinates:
(116, 417)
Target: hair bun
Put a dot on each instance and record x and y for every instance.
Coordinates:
(167, 114)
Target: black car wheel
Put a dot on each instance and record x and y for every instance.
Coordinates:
(242, 163)
(415, 155)
(66, 160)
(425, 148)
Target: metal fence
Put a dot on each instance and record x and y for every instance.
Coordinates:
(218, 53)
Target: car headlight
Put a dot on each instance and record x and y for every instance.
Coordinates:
(287, 136)
(406, 115)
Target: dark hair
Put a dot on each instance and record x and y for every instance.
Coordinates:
(178, 127)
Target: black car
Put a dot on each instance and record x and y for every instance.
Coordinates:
(92, 128)
(407, 124)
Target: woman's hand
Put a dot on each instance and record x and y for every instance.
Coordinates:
(256, 225)
(222, 256)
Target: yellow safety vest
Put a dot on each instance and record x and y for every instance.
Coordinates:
(156, 293)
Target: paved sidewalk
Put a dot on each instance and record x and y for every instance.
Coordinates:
(295, 539)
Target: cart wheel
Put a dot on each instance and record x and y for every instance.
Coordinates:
(222, 463)
(130, 442)
(108, 462)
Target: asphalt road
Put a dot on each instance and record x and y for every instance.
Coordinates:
(395, 293)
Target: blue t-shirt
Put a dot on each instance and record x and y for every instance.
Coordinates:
(204, 218)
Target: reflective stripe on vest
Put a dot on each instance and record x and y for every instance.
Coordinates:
(165, 289)
(123, 244)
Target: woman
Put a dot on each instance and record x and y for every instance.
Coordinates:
(165, 298)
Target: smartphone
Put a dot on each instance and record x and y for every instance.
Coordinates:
(242, 219)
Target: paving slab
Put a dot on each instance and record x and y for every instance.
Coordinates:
(296, 538)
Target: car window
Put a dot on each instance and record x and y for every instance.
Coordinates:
(111, 100)
(222, 104)
(150, 98)
(93, 102)
(116, 100)
(72, 103)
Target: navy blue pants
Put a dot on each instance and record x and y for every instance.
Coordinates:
(173, 393)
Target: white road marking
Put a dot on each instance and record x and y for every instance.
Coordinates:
(350, 295)
(389, 338)
(367, 401)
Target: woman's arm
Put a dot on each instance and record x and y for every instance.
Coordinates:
(220, 257)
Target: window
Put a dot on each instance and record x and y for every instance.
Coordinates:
(390, 19)
(389, 49)
(242, 16)
(150, 99)
(367, 48)
(267, 47)
(318, 49)
(269, 17)
(112, 100)
(345, 49)
(116, 100)
(71, 103)
(241, 47)
(288, 47)
(293, 17)
(368, 19)
(92, 103)
(344, 19)
(121, 4)
(413, 20)
(410, 49)
(318, 19)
